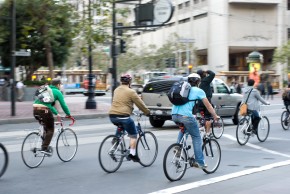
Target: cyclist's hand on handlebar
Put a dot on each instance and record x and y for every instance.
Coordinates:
(216, 118)
(58, 116)
(72, 118)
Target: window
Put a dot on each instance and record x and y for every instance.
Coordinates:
(180, 6)
(195, 1)
(187, 4)
(184, 21)
(222, 88)
(200, 16)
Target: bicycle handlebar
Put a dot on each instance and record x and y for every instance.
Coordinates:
(60, 121)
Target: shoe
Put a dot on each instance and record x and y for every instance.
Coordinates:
(197, 165)
(47, 151)
(133, 158)
(177, 151)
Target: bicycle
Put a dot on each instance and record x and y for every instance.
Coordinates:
(245, 128)
(285, 119)
(217, 127)
(65, 139)
(113, 149)
(3, 159)
(176, 157)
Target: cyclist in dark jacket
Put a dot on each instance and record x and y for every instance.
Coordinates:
(206, 79)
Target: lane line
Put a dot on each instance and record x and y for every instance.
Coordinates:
(257, 147)
(197, 184)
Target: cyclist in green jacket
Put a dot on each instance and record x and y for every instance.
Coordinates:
(43, 112)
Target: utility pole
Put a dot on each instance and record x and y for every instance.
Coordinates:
(114, 50)
(13, 57)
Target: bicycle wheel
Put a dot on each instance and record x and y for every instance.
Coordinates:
(263, 129)
(3, 159)
(30, 150)
(218, 128)
(147, 148)
(212, 155)
(111, 154)
(241, 132)
(285, 120)
(66, 145)
(175, 162)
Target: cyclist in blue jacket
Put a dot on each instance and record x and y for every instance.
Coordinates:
(183, 114)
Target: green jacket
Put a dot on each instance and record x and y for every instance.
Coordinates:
(57, 96)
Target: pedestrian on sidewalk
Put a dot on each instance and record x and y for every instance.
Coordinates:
(269, 91)
(20, 91)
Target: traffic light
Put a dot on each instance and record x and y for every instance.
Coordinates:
(172, 62)
(123, 46)
(167, 62)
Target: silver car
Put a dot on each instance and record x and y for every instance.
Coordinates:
(155, 97)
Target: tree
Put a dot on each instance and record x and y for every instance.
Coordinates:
(42, 26)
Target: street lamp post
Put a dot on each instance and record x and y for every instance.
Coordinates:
(90, 103)
(13, 59)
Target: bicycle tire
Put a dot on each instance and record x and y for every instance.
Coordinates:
(66, 145)
(147, 148)
(111, 154)
(284, 120)
(30, 150)
(218, 128)
(212, 155)
(241, 133)
(4, 159)
(174, 167)
(263, 129)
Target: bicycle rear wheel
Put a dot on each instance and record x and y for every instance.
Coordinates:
(212, 155)
(3, 159)
(285, 120)
(30, 150)
(147, 148)
(218, 128)
(241, 132)
(175, 162)
(111, 154)
(66, 145)
(263, 129)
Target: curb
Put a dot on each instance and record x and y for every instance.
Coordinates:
(32, 119)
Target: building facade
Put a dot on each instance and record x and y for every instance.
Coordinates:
(225, 32)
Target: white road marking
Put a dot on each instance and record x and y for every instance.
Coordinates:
(193, 185)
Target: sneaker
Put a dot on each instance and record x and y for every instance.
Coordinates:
(133, 158)
(197, 165)
(46, 151)
(177, 151)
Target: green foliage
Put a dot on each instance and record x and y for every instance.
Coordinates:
(33, 17)
(34, 83)
(282, 54)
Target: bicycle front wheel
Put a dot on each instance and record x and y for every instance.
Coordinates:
(30, 150)
(3, 159)
(66, 145)
(285, 120)
(218, 128)
(241, 132)
(147, 148)
(175, 162)
(263, 129)
(212, 155)
(111, 154)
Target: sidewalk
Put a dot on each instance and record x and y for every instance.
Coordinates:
(24, 112)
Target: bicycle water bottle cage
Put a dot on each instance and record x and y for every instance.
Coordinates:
(181, 127)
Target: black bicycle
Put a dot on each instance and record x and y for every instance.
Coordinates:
(3, 159)
(113, 149)
(177, 156)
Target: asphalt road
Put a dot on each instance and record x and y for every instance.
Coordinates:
(254, 168)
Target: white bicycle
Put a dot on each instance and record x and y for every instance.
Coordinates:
(66, 145)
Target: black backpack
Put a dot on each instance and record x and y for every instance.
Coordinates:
(179, 92)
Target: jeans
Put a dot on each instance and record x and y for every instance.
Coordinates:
(127, 123)
(192, 128)
(255, 119)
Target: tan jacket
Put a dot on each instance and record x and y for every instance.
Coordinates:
(123, 100)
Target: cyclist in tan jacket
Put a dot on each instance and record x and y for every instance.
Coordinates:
(124, 99)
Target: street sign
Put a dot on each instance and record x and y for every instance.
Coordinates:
(22, 53)
(186, 40)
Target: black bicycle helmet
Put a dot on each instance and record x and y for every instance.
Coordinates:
(126, 78)
(193, 79)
